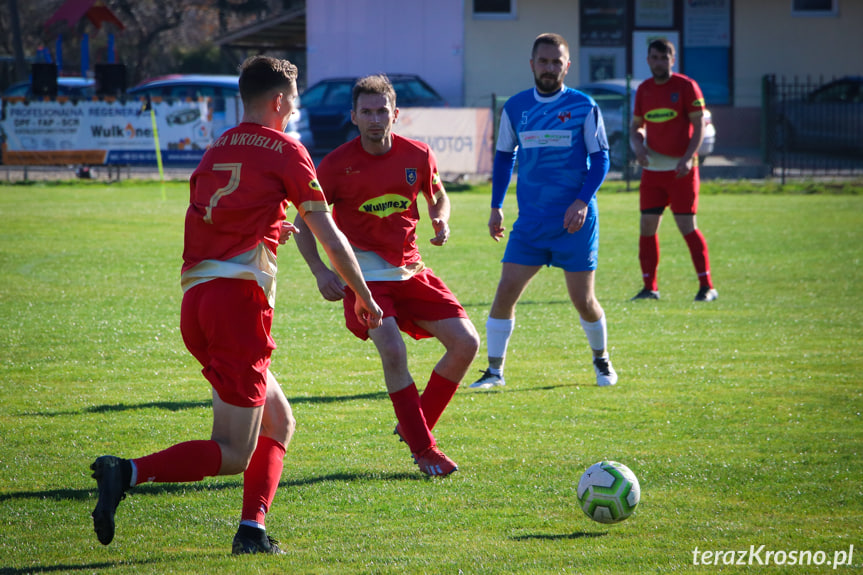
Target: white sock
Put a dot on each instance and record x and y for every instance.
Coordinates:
(498, 332)
(250, 523)
(597, 334)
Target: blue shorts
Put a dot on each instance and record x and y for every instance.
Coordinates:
(547, 243)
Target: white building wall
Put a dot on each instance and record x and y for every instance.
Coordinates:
(769, 40)
(359, 37)
(497, 52)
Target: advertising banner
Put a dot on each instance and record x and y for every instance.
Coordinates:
(461, 138)
(103, 132)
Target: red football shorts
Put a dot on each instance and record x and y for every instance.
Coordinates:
(422, 297)
(661, 189)
(226, 325)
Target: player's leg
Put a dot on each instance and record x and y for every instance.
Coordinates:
(461, 343)
(400, 385)
(684, 204)
(580, 286)
(648, 253)
(653, 198)
(184, 462)
(223, 338)
(261, 478)
(514, 279)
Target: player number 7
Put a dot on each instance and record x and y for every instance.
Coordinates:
(233, 184)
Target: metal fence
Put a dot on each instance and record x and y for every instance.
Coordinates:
(813, 128)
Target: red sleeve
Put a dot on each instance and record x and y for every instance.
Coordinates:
(695, 99)
(302, 185)
(432, 185)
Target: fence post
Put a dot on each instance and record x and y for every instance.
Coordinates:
(766, 140)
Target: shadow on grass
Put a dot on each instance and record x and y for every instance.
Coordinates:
(160, 488)
(183, 405)
(63, 568)
(556, 537)
(531, 389)
(523, 302)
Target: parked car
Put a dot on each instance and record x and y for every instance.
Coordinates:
(610, 96)
(829, 117)
(327, 106)
(224, 90)
(68, 86)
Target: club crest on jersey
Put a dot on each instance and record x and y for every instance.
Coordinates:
(386, 205)
(564, 116)
(411, 175)
(675, 97)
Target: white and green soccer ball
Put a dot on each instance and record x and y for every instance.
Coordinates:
(608, 492)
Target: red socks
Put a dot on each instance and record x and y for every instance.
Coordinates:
(261, 479)
(194, 460)
(181, 463)
(412, 422)
(698, 250)
(648, 256)
(436, 396)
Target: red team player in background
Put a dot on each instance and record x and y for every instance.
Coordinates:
(234, 223)
(667, 130)
(373, 183)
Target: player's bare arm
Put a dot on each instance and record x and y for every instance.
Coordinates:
(286, 231)
(439, 213)
(636, 140)
(341, 256)
(686, 162)
(495, 224)
(575, 215)
(329, 283)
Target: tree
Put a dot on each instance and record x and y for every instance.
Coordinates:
(159, 36)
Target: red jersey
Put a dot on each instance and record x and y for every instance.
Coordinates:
(239, 195)
(665, 109)
(240, 192)
(374, 198)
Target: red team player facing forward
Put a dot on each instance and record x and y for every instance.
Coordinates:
(234, 223)
(667, 130)
(373, 183)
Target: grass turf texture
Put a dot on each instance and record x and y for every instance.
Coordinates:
(741, 418)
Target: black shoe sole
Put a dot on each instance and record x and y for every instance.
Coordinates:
(244, 546)
(106, 472)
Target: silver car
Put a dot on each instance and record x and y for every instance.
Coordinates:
(610, 96)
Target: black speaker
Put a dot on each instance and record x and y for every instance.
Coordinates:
(110, 79)
(43, 80)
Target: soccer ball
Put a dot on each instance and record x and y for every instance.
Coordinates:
(608, 492)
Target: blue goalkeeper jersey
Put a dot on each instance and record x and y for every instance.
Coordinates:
(552, 137)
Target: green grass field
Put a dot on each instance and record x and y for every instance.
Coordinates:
(741, 418)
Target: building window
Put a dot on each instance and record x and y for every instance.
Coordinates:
(494, 9)
(814, 7)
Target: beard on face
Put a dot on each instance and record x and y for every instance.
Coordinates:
(548, 83)
(661, 74)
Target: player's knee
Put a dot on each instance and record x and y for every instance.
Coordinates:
(470, 344)
(234, 461)
(288, 427)
(588, 308)
(280, 424)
